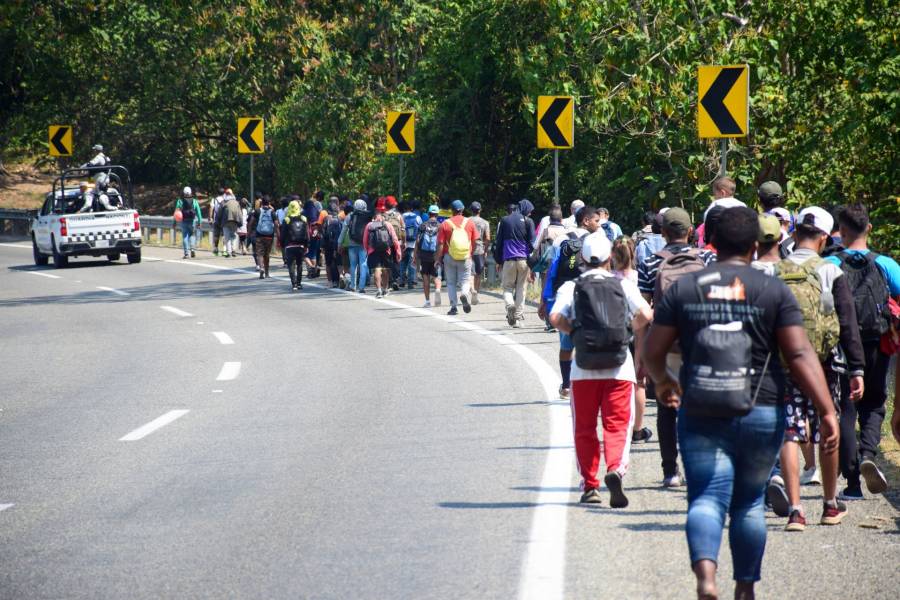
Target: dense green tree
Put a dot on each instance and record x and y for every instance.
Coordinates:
(161, 85)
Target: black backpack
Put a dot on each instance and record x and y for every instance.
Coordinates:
(332, 232)
(571, 265)
(379, 236)
(187, 211)
(717, 376)
(358, 222)
(870, 293)
(600, 331)
(298, 231)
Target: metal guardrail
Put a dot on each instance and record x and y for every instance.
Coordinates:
(159, 225)
(165, 231)
(15, 221)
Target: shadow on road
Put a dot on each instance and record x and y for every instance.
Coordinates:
(222, 288)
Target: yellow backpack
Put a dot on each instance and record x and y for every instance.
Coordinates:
(460, 244)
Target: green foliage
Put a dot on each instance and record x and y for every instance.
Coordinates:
(161, 85)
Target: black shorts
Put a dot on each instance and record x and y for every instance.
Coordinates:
(427, 267)
(478, 263)
(379, 260)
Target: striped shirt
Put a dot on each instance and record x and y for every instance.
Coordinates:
(648, 269)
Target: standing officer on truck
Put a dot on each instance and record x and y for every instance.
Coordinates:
(100, 160)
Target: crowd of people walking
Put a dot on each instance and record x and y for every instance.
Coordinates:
(763, 336)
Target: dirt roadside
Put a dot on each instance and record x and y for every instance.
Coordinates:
(25, 187)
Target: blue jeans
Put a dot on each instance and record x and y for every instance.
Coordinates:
(727, 463)
(358, 259)
(407, 270)
(187, 237)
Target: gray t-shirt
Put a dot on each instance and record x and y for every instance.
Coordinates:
(482, 227)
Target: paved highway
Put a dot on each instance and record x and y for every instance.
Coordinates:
(182, 429)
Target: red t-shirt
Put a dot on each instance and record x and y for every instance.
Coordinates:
(446, 230)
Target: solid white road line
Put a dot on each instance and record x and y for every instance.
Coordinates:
(544, 564)
(153, 425)
(50, 275)
(5, 506)
(16, 246)
(113, 290)
(230, 370)
(223, 338)
(176, 311)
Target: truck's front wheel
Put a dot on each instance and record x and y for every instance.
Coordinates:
(39, 259)
(60, 261)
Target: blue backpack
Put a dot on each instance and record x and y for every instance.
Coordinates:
(608, 230)
(266, 224)
(428, 237)
(411, 225)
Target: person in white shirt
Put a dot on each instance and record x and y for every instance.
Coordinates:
(614, 229)
(569, 222)
(99, 160)
(723, 195)
(607, 389)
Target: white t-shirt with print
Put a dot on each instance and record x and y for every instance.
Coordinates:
(565, 305)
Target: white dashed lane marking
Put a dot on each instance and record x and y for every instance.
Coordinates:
(145, 430)
(50, 275)
(176, 311)
(113, 291)
(5, 506)
(230, 370)
(544, 563)
(223, 338)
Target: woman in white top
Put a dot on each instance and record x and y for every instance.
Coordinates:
(624, 268)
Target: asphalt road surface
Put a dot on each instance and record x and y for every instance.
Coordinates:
(180, 429)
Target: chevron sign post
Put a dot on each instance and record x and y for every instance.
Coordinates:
(723, 109)
(556, 129)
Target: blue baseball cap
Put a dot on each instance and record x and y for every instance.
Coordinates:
(457, 205)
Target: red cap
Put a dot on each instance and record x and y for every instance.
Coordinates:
(391, 201)
(379, 204)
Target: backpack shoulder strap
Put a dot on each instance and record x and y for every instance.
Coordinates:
(664, 254)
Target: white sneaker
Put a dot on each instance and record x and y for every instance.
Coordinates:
(474, 298)
(811, 476)
(427, 304)
(437, 299)
(672, 481)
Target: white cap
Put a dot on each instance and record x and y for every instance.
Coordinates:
(186, 191)
(576, 206)
(663, 210)
(816, 217)
(97, 147)
(724, 203)
(781, 213)
(596, 248)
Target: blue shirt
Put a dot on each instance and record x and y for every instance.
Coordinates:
(651, 244)
(889, 268)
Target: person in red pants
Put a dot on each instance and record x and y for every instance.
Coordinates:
(596, 310)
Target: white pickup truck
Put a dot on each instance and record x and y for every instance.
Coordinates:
(64, 228)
